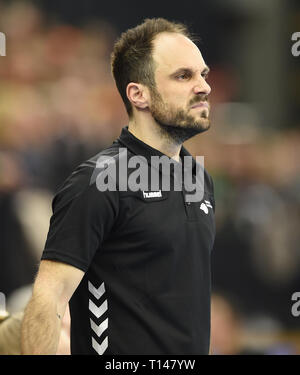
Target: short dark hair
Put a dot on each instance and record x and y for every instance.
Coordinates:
(131, 59)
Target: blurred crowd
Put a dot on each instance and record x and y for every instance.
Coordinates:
(59, 106)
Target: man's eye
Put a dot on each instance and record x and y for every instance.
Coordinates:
(205, 75)
(182, 76)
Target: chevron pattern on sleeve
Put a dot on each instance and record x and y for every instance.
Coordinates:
(98, 323)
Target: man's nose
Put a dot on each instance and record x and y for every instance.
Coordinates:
(202, 87)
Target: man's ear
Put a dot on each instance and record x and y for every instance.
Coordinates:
(137, 94)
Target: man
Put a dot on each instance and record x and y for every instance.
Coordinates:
(134, 264)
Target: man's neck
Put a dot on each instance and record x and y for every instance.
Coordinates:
(151, 135)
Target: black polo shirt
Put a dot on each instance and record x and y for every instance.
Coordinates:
(146, 258)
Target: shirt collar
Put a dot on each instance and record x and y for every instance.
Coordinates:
(139, 147)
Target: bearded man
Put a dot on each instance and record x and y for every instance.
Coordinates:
(134, 265)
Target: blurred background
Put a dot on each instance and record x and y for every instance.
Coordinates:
(59, 106)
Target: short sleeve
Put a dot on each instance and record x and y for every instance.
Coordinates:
(82, 218)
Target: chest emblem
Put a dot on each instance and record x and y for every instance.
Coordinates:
(204, 206)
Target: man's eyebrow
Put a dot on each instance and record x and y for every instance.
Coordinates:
(206, 70)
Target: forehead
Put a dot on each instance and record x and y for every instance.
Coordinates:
(172, 51)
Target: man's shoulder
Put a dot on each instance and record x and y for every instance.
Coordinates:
(82, 178)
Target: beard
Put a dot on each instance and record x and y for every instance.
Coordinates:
(177, 124)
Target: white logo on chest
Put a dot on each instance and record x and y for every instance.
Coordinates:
(204, 206)
(152, 194)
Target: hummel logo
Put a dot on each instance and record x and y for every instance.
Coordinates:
(152, 194)
(204, 206)
(98, 311)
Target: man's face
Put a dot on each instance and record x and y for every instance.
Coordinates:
(179, 102)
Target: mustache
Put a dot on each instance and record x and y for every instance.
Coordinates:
(198, 99)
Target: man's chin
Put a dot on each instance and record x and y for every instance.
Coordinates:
(181, 133)
(202, 125)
